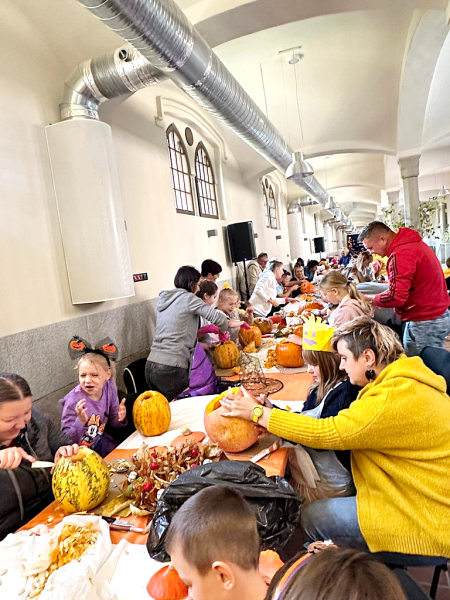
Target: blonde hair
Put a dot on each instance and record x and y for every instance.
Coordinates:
(94, 358)
(363, 333)
(226, 293)
(335, 279)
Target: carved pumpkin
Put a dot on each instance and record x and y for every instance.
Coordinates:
(226, 355)
(233, 434)
(264, 326)
(269, 564)
(307, 287)
(289, 354)
(250, 335)
(166, 584)
(151, 414)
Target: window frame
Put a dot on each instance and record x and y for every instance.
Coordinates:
(271, 212)
(199, 182)
(173, 129)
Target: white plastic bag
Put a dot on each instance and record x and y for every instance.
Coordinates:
(76, 580)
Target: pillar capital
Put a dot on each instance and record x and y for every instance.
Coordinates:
(409, 166)
(393, 196)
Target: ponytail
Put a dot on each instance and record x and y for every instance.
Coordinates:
(355, 295)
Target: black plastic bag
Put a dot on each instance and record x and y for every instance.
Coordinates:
(274, 501)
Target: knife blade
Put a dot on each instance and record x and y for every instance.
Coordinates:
(42, 464)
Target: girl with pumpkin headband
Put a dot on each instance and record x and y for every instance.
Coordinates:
(94, 403)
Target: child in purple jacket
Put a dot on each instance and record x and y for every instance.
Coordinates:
(92, 404)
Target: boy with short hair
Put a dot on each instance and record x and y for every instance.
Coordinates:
(213, 542)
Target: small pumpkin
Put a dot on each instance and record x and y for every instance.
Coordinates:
(250, 335)
(166, 584)
(289, 354)
(307, 287)
(193, 437)
(151, 413)
(269, 563)
(313, 305)
(226, 355)
(264, 326)
(80, 482)
(298, 331)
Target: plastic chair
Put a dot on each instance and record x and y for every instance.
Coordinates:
(438, 360)
(395, 560)
(134, 377)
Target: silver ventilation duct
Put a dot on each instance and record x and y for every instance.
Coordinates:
(123, 71)
(160, 31)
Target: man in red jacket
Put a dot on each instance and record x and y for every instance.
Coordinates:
(417, 290)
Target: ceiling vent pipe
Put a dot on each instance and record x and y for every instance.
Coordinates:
(160, 31)
(94, 81)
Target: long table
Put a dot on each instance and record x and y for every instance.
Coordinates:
(188, 413)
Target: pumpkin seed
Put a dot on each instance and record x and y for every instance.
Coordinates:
(3, 572)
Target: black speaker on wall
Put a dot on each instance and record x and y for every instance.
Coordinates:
(242, 241)
(319, 245)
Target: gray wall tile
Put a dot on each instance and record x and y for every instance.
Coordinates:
(41, 357)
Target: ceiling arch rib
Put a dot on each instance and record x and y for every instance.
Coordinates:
(421, 57)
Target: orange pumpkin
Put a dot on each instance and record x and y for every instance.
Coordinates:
(250, 335)
(314, 304)
(269, 564)
(307, 287)
(166, 584)
(193, 437)
(299, 331)
(264, 326)
(233, 434)
(226, 355)
(289, 354)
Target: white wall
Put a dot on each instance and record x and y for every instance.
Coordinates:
(34, 287)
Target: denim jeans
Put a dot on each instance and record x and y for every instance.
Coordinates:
(335, 519)
(169, 381)
(419, 334)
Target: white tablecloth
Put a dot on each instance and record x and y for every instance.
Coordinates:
(186, 413)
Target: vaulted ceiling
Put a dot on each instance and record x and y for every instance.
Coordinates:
(371, 82)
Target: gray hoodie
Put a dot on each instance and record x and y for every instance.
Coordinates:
(177, 324)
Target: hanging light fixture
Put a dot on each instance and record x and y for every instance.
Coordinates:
(299, 168)
(443, 192)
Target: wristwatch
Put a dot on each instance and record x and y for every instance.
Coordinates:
(258, 412)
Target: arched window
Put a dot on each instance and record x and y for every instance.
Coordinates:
(205, 183)
(270, 205)
(181, 172)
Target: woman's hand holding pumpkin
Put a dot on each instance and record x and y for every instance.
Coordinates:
(242, 406)
(10, 458)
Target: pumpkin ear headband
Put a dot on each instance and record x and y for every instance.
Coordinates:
(106, 348)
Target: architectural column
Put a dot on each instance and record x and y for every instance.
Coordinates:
(394, 199)
(328, 235)
(409, 169)
(443, 222)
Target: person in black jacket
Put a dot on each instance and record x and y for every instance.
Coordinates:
(26, 435)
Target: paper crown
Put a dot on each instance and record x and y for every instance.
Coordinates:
(317, 335)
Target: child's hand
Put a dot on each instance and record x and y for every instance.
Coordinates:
(122, 411)
(81, 411)
(234, 323)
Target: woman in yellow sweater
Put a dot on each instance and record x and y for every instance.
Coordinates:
(398, 431)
